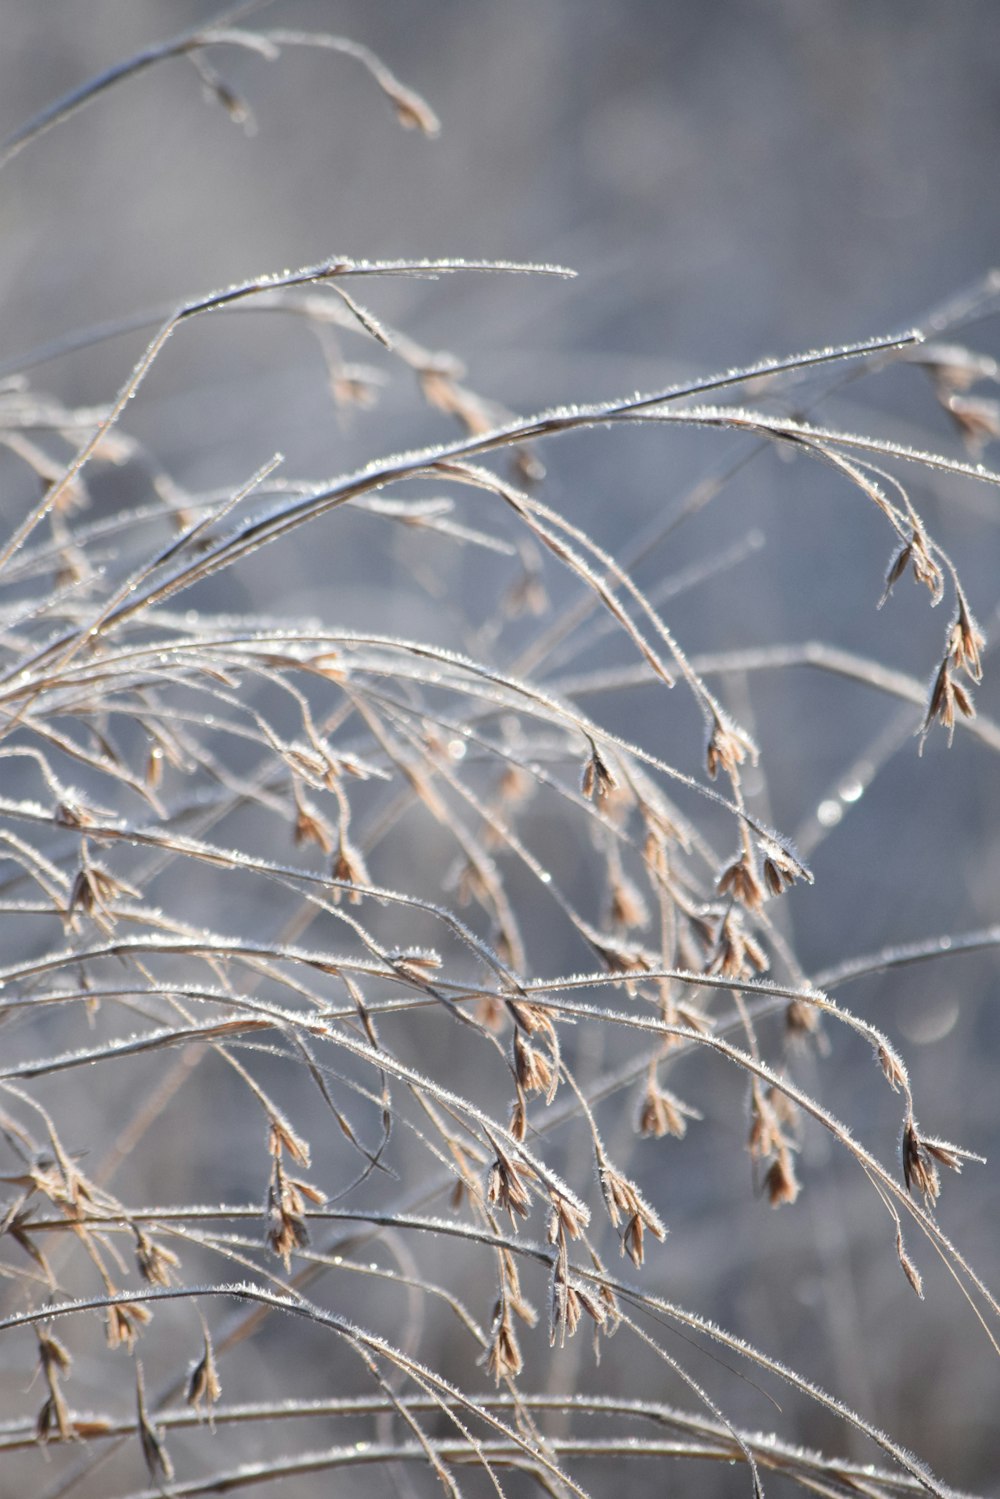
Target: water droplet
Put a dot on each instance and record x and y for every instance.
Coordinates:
(829, 813)
(545, 877)
(456, 749)
(930, 1024)
(850, 791)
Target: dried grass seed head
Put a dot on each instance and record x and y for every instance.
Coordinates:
(204, 1386)
(349, 869)
(156, 1264)
(503, 1358)
(627, 1207)
(154, 1451)
(506, 1187)
(661, 1113)
(919, 1170)
(781, 865)
(598, 780)
(727, 745)
(946, 697)
(966, 641)
(780, 1182)
(740, 880)
(737, 954)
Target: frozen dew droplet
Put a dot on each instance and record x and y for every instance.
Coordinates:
(931, 1023)
(829, 813)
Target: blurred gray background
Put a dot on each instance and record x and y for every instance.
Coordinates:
(729, 180)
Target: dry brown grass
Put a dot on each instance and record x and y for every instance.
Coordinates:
(392, 937)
